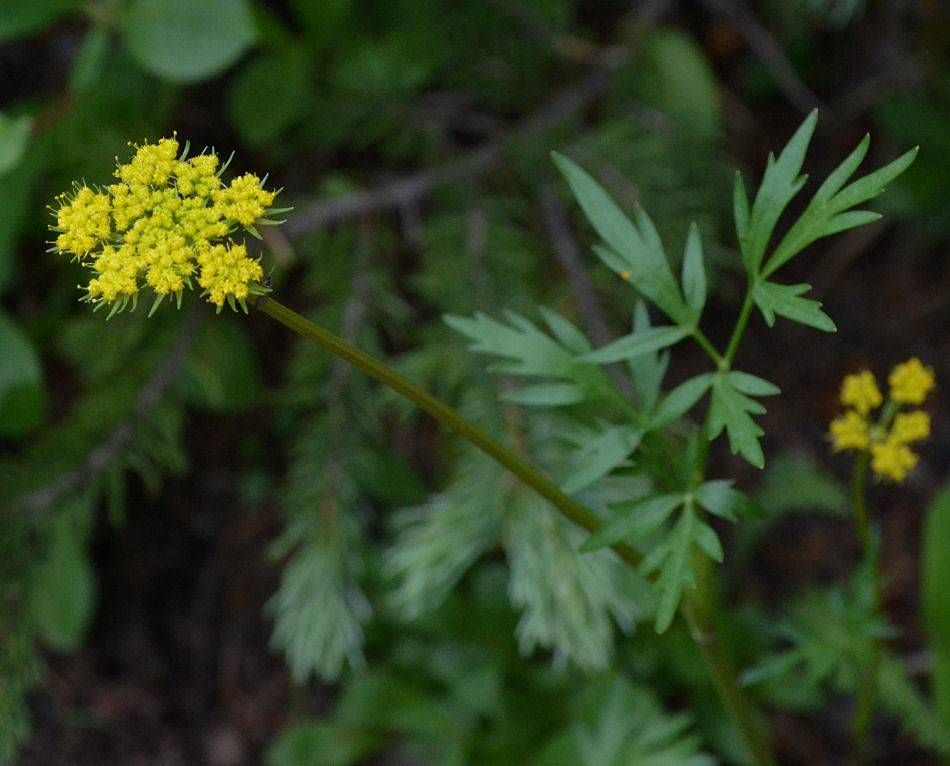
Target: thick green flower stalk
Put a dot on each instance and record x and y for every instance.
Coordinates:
(168, 221)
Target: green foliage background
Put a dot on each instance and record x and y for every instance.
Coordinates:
(453, 615)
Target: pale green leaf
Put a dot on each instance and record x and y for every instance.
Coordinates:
(731, 410)
(705, 538)
(829, 211)
(547, 395)
(569, 336)
(633, 520)
(636, 344)
(647, 370)
(14, 139)
(63, 592)
(752, 385)
(780, 183)
(677, 573)
(720, 498)
(22, 393)
(638, 248)
(694, 274)
(602, 454)
(740, 210)
(681, 400)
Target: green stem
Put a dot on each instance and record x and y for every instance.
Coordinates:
(731, 694)
(867, 692)
(741, 322)
(567, 505)
(720, 668)
(859, 501)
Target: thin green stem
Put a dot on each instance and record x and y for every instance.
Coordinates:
(567, 505)
(741, 322)
(700, 337)
(867, 691)
(731, 694)
(720, 668)
(859, 500)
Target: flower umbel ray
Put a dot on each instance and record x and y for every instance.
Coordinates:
(167, 221)
(887, 440)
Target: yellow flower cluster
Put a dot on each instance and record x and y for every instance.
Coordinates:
(165, 221)
(886, 440)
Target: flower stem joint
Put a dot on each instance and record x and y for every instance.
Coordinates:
(886, 439)
(168, 222)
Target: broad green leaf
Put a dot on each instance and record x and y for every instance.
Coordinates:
(636, 344)
(187, 41)
(673, 74)
(270, 94)
(22, 394)
(694, 274)
(547, 395)
(780, 183)
(639, 252)
(14, 139)
(773, 298)
(633, 520)
(935, 598)
(63, 592)
(829, 211)
(935, 573)
(681, 400)
(16, 201)
(90, 61)
(752, 385)
(731, 410)
(601, 455)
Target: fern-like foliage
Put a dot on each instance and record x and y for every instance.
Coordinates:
(834, 637)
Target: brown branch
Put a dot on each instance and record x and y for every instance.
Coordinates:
(568, 255)
(768, 51)
(408, 190)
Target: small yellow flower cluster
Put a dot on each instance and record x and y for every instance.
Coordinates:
(166, 221)
(887, 440)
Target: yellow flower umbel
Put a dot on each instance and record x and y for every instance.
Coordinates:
(887, 440)
(168, 219)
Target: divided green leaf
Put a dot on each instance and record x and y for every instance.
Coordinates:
(694, 274)
(731, 410)
(780, 183)
(773, 298)
(635, 250)
(602, 454)
(829, 211)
